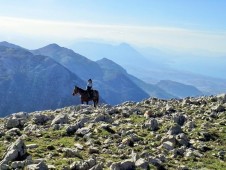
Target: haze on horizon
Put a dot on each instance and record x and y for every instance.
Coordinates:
(177, 25)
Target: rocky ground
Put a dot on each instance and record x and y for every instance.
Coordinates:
(151, 134)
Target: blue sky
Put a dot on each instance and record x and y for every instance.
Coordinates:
(186, 25)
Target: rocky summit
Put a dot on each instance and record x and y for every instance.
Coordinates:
(189, 133)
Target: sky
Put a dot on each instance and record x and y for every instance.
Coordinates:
(178, 25)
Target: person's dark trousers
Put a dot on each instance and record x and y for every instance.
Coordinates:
(89, 92)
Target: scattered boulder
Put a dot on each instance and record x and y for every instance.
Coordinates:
(142, 164)
(175, 130)
(152, 124)
(179, 119)
(82, 131)
(12, 122)
(182, 139)
(71, 153)
(17, 151)
(60, 119)
(40, 166)
(103, 118)
(221, 98)
(40, 118)
(124, 165)
(86, 165)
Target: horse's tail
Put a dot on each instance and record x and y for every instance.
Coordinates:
(97, 96)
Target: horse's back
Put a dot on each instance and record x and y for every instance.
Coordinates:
(96, 93)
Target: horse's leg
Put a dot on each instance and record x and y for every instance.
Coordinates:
(94, 103)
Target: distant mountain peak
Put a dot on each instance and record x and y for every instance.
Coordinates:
(53, 45)
(124, 45)
(10, 45)
(54, 48)
(109, 64)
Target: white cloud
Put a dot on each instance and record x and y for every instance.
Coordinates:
(167, 37)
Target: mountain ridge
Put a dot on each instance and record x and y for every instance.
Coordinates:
(111, 79)
(30, 82)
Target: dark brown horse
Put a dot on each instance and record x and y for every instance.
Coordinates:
(85, 96)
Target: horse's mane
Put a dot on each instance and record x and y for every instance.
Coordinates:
(80, 89)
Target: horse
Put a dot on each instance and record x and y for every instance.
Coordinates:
(85, 96)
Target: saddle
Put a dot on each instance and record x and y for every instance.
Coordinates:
(90, 93)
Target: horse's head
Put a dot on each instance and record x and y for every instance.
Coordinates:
(75, 91)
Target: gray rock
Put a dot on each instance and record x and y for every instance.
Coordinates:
(40, 118)
(190, 125)
(179, 151)
(97, 167)
(86, 165)
(179, 119)
(13, 132)
(21, 115)
(18, 164)
(221, 97)
(169, 138)
(16, 151)
(128, 141)
(60, 119)
(168, 145)
(93, 150)
(4, 167)
(221, 154)
(205, 136)
(82, 131)
(2, 133)
(39, 166)
(31, 146)
(124, 165)
(107, 127)
(182, 139)
(194, 153)
(103, 118)
(152, 124)
(91, 162)
(79, 146)
(56, 127)
(142, 164)
(174, 130)
(73, 128)
(155, 161)
(219, 108)
(183, 167)
(12, 122)
(170, 109)
(71, 153)
(51, 167)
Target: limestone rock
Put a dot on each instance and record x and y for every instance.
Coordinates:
(40, 118)
(12, 122)
(124, 165)
(39, 166)
(174, 130)
(152, 124)
(179, 119)
(16, 151)
(60, 119)
(142, 164)
(71, 153)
